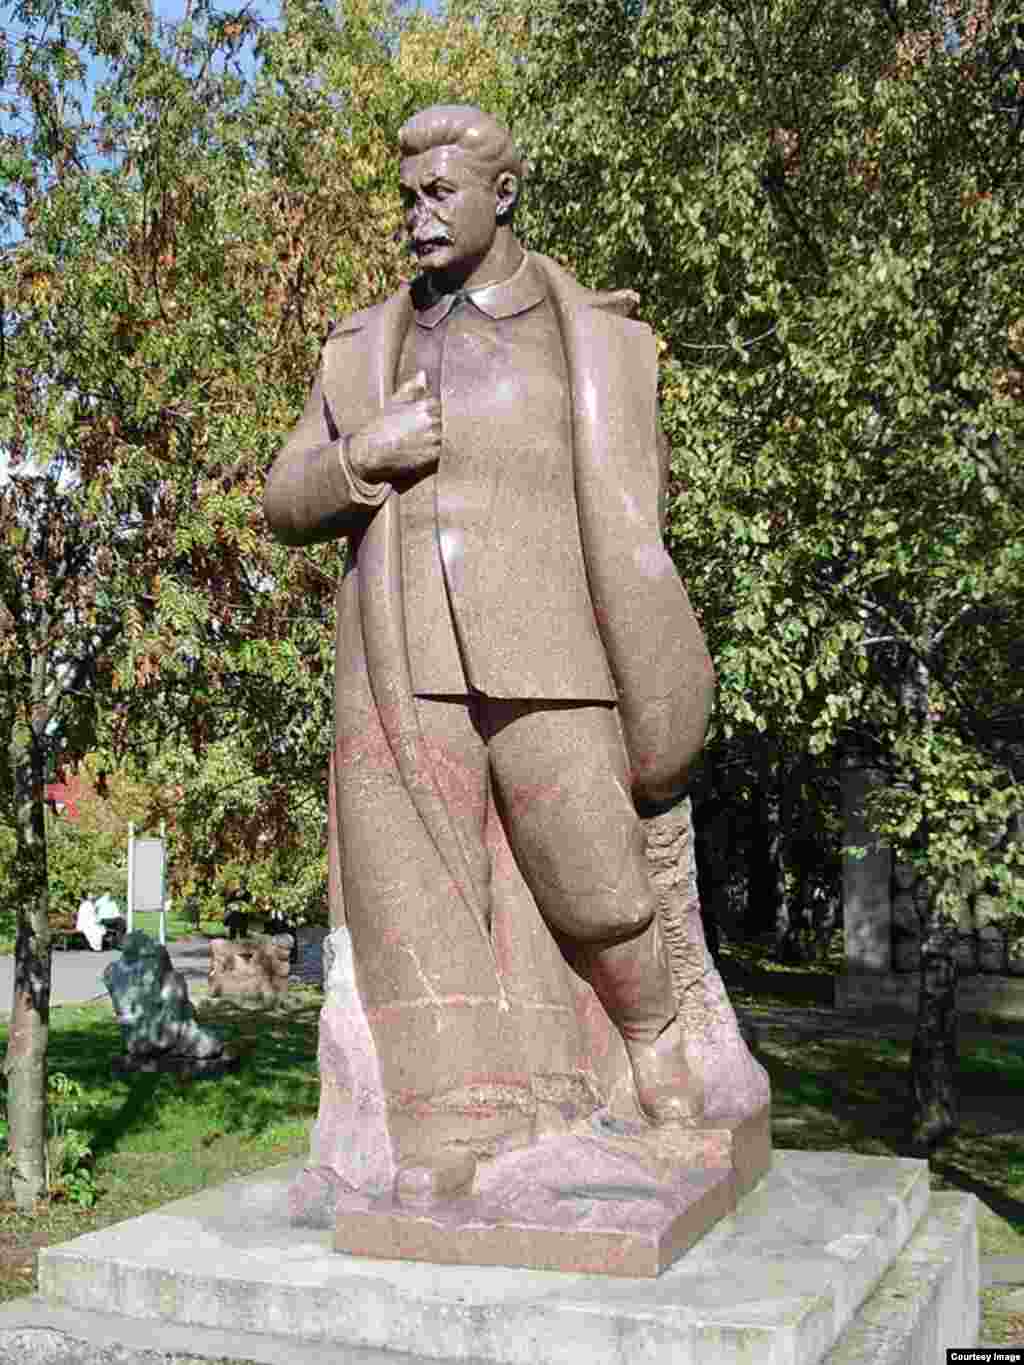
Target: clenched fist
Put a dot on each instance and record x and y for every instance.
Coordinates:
(404, 441)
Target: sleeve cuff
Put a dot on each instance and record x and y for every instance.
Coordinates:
(361, 492)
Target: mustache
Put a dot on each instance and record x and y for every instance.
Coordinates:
(413, 240)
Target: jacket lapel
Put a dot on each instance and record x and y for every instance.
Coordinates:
(360, 367)
(361, 360)
(613, 377)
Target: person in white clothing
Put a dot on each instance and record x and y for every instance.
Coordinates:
(88, 924)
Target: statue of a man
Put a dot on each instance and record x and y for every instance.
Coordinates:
(519, 674)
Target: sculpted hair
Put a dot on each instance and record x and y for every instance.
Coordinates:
(473, 131)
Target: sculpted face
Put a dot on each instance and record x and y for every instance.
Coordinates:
(451, 210)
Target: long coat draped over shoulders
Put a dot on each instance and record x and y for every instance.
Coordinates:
(655, 650)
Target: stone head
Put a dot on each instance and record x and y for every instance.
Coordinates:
(137, 946)
(460, 178)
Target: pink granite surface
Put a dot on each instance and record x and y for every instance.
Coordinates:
(608, 1198)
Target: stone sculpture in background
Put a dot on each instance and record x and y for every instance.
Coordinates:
(520, 688)
(158, 1024)
(309, 953)
(257, 966)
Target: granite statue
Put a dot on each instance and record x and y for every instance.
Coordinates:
(257, 966)
(158, 1024)
(521, 687)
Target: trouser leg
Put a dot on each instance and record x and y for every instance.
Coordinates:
(561, 778)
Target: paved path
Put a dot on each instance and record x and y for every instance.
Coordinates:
(78, 976)
(809, 1021)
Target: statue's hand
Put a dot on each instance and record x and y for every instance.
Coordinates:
(403, 441)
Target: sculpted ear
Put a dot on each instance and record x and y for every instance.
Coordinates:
(506, 189)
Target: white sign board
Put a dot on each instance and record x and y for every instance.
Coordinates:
(147, 879)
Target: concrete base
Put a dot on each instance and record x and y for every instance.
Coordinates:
(979, 997)
(832, 1258)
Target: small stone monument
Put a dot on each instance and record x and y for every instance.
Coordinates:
(157, 1021)
(257, 966)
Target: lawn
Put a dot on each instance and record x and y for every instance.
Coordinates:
(157, 1138)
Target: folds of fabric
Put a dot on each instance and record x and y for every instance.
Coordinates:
(655, 648)
(477, 1034)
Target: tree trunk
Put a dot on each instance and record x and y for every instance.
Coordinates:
(791, 920)
(766, 883)
(25, 1066)
(934, 1109)
(933, 1098)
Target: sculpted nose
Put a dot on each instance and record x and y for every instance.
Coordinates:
(422, 218)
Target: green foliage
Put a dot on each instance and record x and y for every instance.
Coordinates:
(226, 829)
(175, 236)
(70, 1157)
(821, 208)
(82, 864)
(177, 244)
(957, 821)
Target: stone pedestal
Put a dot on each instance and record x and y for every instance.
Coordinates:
(833, 1259)
(829, 1259)
(867, 910)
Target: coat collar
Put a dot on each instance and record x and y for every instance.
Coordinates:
(523, 290)
(359, 379)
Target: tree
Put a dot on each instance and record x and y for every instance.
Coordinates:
(175, 242)
(821, 209)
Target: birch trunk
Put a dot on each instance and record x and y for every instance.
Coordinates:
(25, 1065)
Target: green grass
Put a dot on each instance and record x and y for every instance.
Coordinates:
(178, 926)
(1005, 1062)
(158, 1137)
(754, 977)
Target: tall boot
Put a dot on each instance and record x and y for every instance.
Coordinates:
(633, 981)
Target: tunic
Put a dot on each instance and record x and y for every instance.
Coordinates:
(518, 623)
